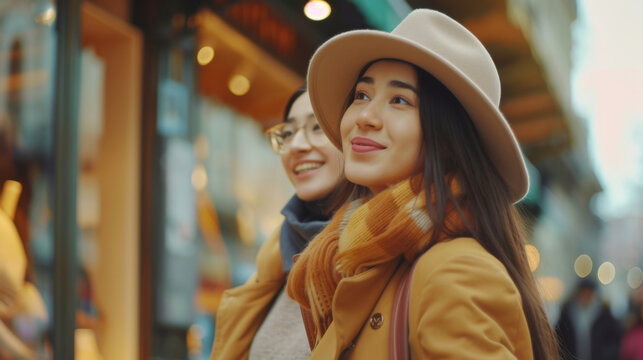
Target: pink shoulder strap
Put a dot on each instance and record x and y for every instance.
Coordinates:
(399, 332)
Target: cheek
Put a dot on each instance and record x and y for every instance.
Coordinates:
(345, 124)
(409, 135)
(344, 131)
(334, 158)
(284, 163)
(418, 148)
(413, 131)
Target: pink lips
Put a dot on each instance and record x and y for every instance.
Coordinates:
(364, 145)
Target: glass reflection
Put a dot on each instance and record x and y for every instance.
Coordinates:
(27, 60)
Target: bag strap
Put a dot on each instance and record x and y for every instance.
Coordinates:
(399, 331)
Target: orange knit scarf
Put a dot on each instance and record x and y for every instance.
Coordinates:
(360, 235)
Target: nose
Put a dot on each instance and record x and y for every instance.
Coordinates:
(299, 142)
(369, 116)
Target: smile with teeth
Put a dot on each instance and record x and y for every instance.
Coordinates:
(307, 166)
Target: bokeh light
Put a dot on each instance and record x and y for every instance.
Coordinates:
(317, 10)
(201, 147)
(533, 257)
(550, 287)
(205, 55)
(635, 277)
(47, 16)
(199, 177)
(606, 273)
(583, 265)
(239, 85)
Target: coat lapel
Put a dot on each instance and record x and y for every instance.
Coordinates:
(353, 302)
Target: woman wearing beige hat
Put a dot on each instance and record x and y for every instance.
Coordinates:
(431, 265)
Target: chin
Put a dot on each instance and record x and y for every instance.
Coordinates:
(312, 193)
(310, 197)
(307, 194)
(361, 178)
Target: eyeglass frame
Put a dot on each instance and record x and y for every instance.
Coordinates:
(279, 148)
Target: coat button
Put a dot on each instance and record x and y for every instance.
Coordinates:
(377, 320)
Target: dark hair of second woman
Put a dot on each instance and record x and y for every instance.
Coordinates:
(299, 92)
(451, 146)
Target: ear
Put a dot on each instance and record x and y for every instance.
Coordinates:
(9, 197)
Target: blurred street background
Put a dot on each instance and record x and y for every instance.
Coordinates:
(135, 129)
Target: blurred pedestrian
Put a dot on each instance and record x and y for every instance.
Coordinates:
(258, 320)
(586, 328)
(632, 346)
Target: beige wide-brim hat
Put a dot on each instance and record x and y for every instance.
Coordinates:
(446, 50)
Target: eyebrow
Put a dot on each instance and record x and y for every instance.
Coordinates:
(392, 83)
(292, 119)
(366, 79)
(403, 85)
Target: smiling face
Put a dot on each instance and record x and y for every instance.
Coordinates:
(314, 171)
(381, 131)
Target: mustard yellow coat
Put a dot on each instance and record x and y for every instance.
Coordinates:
(243, 308)
(463, 305)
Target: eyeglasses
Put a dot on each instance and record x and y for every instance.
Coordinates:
(281, 135)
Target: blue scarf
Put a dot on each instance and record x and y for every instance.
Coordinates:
(304, 220)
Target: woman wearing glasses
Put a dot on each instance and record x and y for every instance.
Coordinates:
(258, 320)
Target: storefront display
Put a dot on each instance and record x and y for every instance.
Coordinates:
(154, 201)
(27, 61)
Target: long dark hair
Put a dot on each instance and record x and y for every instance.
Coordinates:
(452, 149)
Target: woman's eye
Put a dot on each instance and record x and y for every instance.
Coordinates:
(286, 134)
(360, 95)
(316, 127)
(400, 100)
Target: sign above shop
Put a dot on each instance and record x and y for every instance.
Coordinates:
(264, 24)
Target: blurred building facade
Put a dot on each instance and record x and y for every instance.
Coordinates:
(176, 186)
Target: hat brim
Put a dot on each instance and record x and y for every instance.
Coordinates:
(333, 71)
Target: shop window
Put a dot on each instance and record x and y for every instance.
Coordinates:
(27, 61)
(221, 187)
